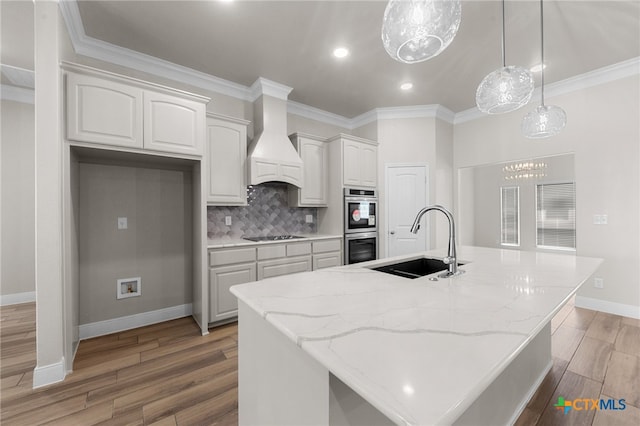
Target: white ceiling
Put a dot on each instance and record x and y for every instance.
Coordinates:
(290, 42)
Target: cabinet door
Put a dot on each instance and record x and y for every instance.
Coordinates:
(227, 157)
(223, 304)
(327, 260)
(102, 111)
(351, 163)
(173, 124)
(368, 165)
(291, 265)
(314, 156)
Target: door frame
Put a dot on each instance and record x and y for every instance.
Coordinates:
(387, 167)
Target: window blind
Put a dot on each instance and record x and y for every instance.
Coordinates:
(510, 216)
(556, 215)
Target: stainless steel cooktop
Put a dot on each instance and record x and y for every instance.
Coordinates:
(273, 238)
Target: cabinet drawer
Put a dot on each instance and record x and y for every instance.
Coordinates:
(272, 251)
(299, 249)
(291, 265)
(326, 246)
(231, 256)
(327, 260)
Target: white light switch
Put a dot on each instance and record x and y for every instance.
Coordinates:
(122, 223)
(227, 220)
(598, 283)
(309, 218)
(600, 219)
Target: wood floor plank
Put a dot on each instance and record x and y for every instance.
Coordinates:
(210, 411)
(591, 358)
(170, 387)
(167, 421)
(631, 321)
(46, 413)
(580, 318)
(572, 386)
(97, 344)
(565, 341)
(212, 342)
(622, 379)
(117, 364)
(628, 340)
(559, 318)
(10, 381)
(604, 327)
(188, 397)
(129, 418)
(154, 328)
(89, 416)
(113, 354)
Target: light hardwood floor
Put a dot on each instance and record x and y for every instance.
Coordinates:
(167, 374)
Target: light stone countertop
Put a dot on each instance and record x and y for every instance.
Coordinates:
(421, 351)
(239, 242)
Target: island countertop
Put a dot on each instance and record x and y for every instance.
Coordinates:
(421, 351)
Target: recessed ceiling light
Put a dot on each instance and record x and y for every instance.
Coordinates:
(340, 52)
(538, 68)
(406, 86)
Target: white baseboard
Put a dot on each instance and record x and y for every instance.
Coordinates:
(14, 299)
(631, 311)
(49, 374)
(101, 328)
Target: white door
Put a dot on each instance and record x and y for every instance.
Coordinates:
(406, 194)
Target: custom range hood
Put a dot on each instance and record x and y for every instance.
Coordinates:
(272, 156)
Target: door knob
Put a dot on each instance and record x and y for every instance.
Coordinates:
(392, 232)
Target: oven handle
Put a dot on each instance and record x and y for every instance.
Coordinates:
(361, 199)
(361, 235)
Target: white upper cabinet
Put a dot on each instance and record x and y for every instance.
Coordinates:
(111, 109)
(226, 154)
(315, 157)
(359, 161)
(103, 111)
(173, 124)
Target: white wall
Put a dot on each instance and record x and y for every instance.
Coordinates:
(418, 141)
(603, 131)
(18, 199)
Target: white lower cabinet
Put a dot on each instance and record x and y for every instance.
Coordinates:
(239, 265)
(223, 304)
(285, 266)
(327, 253)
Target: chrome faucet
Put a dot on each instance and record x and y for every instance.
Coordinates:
(451, 258)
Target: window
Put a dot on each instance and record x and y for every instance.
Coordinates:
(556, 216)
(510, 216)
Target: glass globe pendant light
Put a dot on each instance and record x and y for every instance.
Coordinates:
(545, 120)
(505, 89)
(417, 30)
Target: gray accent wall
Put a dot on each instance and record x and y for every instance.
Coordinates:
(156, 246)
(267, 213)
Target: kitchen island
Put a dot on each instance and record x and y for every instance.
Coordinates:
(351, 345)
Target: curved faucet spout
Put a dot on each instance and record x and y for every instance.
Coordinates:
(451, 258)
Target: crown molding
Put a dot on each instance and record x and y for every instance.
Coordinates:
(263, 86)
(584, 81)
(320, 115)
(97, 49)
(19, 76)
(17, 94)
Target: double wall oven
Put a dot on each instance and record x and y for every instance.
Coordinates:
(360, 225)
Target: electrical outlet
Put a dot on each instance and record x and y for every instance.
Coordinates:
(227, 220)
(598, 283)
(122, 223)
(600, 219)
(309, 218)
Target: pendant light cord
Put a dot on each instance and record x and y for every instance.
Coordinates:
(504, 62)
(542, 50)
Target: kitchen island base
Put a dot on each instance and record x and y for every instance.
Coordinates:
(280, 383)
